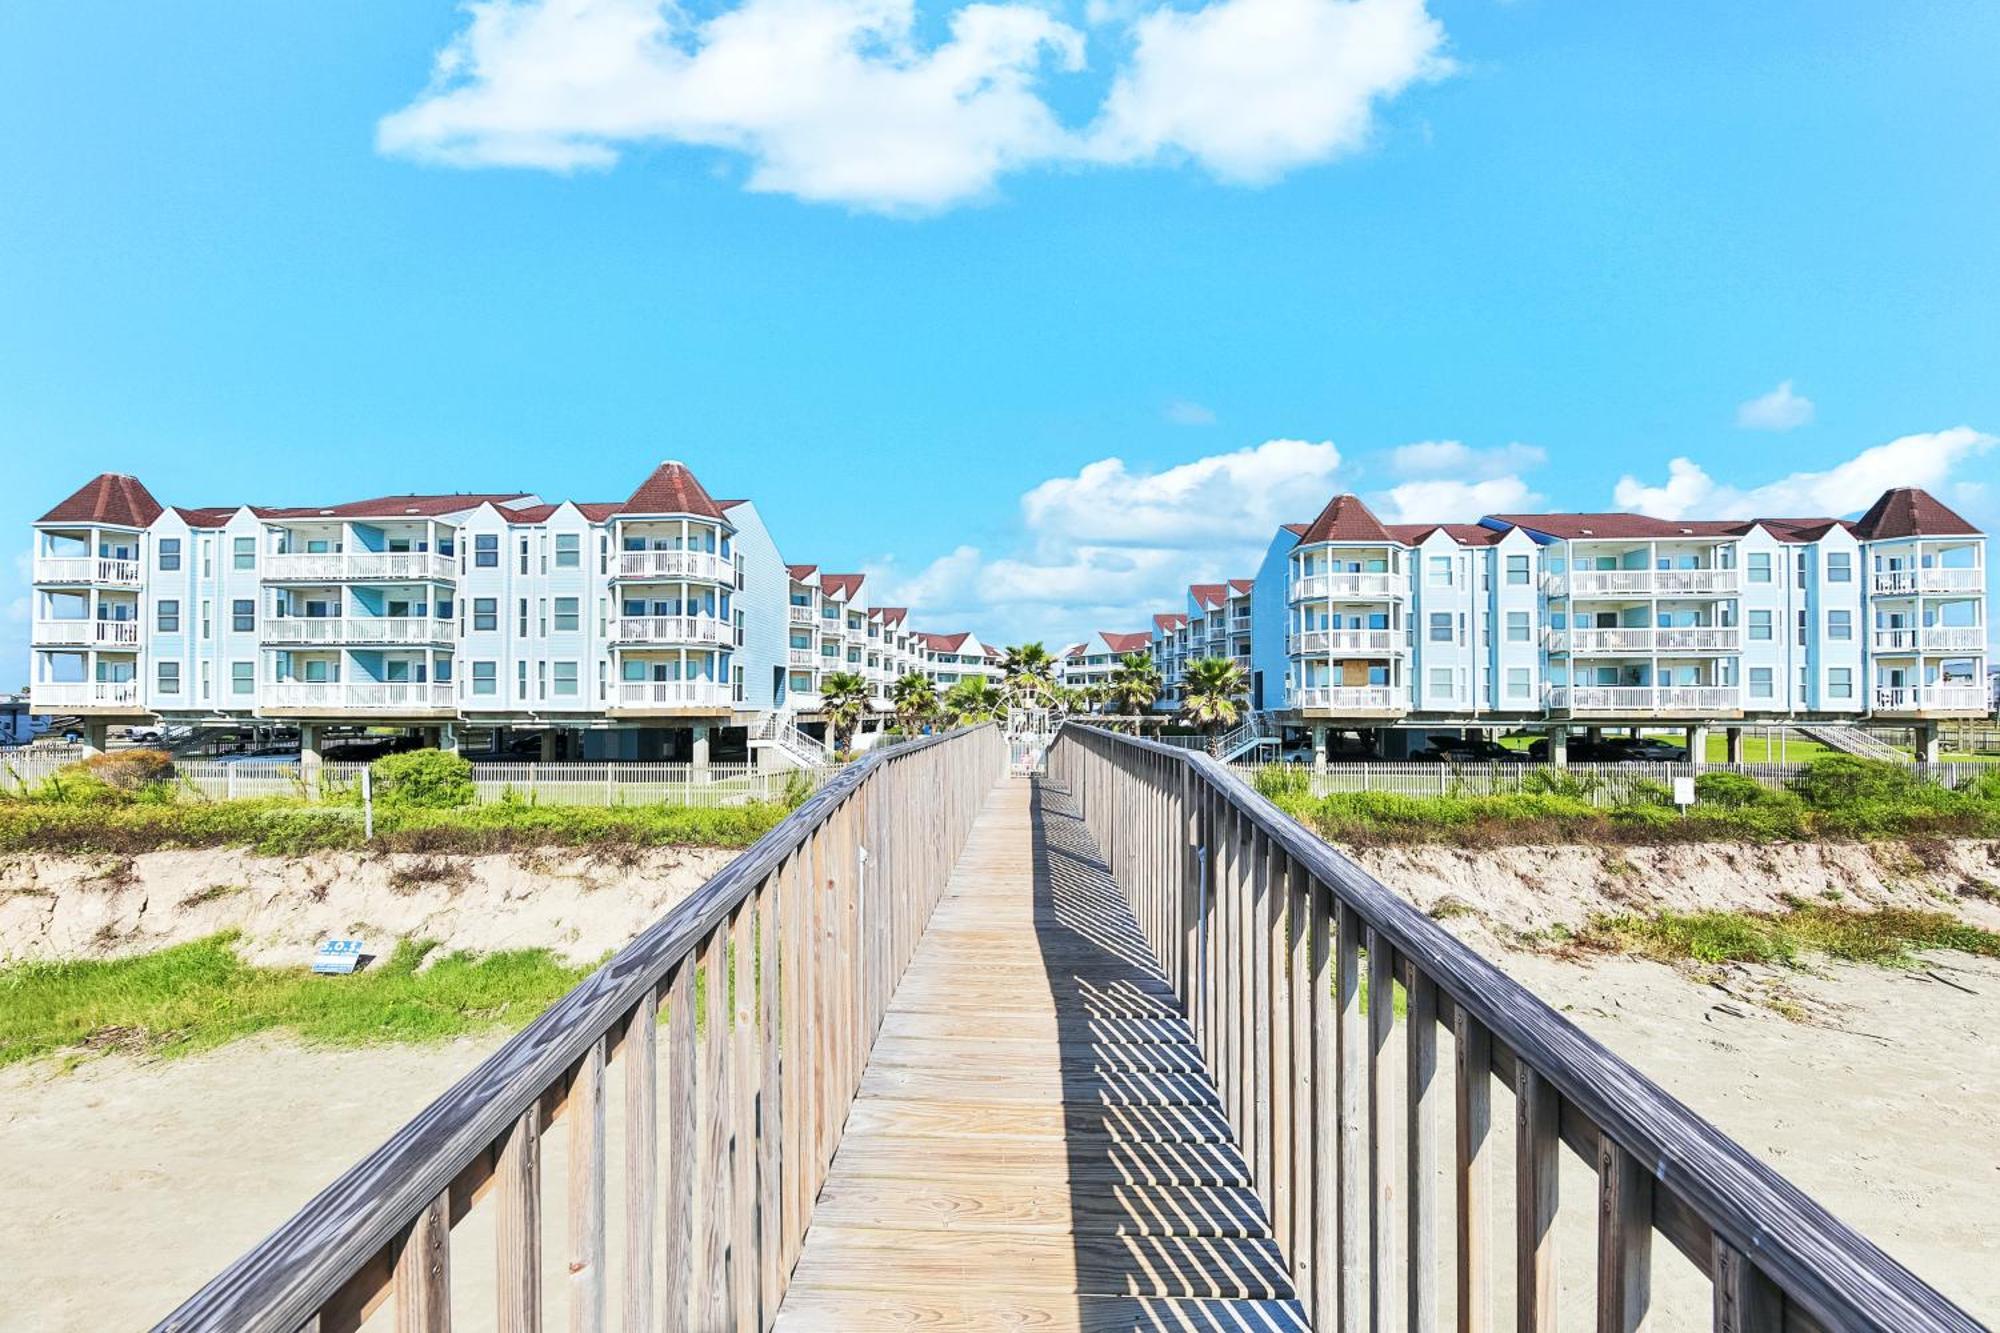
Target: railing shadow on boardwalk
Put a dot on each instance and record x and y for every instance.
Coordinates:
(1162, 1212)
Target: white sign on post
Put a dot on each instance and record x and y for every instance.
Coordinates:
(337, 957)
(1684, 792)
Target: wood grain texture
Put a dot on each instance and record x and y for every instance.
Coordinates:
(586, 1194)
(423, 1272)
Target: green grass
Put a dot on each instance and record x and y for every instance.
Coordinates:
(199, 995)
(1887, 937)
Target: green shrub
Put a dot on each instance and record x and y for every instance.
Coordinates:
(1733, 790)
(424, 780)
(1558, 782)
(126, 771)
(1843, 781)
(1279, 783)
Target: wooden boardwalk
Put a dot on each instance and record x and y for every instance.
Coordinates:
(1035, 1144)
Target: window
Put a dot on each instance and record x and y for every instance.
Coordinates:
(1517, 569)
(1440, 682)
(566, 615)
(168, 619)
(242, 677)
(486, 613)
(486, 551)
(1839, 680)
(1517, 682)
(1839, 567)
(565, 678)
(569, 550)
(524, 555)
(1440, 571)
(1760, 566)
(523, 619)
(170, 553)
(170, 678)
(1802, 629)
(1760, 682)
(521, 679)
(1440, 627)
(485, 678)
(1760, 625)
(207, 619)
(1840, 624)
(243, 615)
(1517, 627)
(317, 672)
(246, 553)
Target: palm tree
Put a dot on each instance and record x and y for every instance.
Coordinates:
(1211, 693)
(972, 700)
(844, 700)
(1135, 685)
(916, 700)
(1028, 671)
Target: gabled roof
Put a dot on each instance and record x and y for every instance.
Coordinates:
(1126, 643)
(1298, 529)
(1465, 534)
(1170, 620)
(398, 506)
(108, 497)
(212, 517)
(1241, 585)
(844, 586)
(1908, 511)
(889, 615)
(1345, 519)
(671, 489)
(944, 643)
(800, 573)
(1208, 595)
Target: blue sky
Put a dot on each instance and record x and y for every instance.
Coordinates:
(914, 277)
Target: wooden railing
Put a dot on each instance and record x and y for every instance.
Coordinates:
(736, 1030)
(1266, 931)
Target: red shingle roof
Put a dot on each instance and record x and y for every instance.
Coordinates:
(890, 615)
(1465, 534)
(841, 585)
(1208, 595)
(1242, 585)
(801, 572)
(1170, 621)
(214, 517)
(945, 643)
(394, 506)
(1345, 519)
(671, 489)
(1910, 512)
(109, 497)
(1126, 643)
(1621, 526)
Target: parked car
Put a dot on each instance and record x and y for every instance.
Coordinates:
(1647, 750)
(1455, 750)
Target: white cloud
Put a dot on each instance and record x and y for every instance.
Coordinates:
(1429, 458)
(1780, 410)
(1926, 460)
(1254, 88)
(1236, 496)
(843, 101)
(1449, 500)
(1181, 412)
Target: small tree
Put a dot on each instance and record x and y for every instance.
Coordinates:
(1027, 672)
(427, 779)
(1212, 692)
(971, 701)
(915, 698)
(844, 700)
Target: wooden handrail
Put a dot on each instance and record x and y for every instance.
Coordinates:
(1265, 930)
(798, 943)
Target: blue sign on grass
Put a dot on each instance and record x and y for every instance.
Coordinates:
(338, 957)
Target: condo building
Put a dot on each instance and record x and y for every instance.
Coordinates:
(662, 626)
(1555, 621)
(1094, 662)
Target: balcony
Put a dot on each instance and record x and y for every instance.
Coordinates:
(1910, 582)
(698, 631)
(1373, 642)
(1716, 699)
(1351, 699)
(1649, 583)
(802, 657)
(87, 569)
(1621, 641)
(803, 615)
(1931, 639)
(674, 565)
(1313, 587)
(86, 633)
(369, 696)
(340, 566)
(652, 694)
(414, 631)
(1888, 698)
(54, 696)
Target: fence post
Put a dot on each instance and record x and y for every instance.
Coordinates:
(367, 805)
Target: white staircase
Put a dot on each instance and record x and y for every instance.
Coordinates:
(779, 734)
(1256, 733)
(1850, 739)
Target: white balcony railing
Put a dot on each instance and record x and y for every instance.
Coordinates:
(385, 566)
(702, 630)
(419, 631)
(1376, 642)
(675, 565)
(673, 694)
(86, 633)
(1619, 640)
(87, 569)
(1648, 583)
(1351, 698)
(1908, 582)
(1908, 698)
(803, 615)
(366, 696)
(1646, 699)
(803, 657)
(84, 694)
(1315, 586)
(1931, 639)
